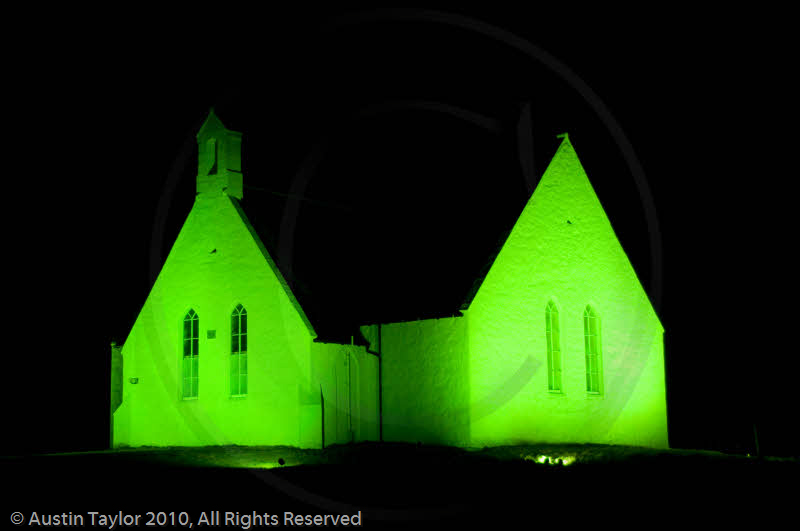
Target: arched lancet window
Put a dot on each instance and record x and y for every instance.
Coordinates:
(594, 355)
(239, 351)
(191, 344)
(553, 348)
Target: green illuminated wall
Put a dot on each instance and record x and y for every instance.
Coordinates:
(563, 248)
(217, 262)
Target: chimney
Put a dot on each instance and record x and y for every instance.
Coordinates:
(219, 165)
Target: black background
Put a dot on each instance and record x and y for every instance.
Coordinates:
(410, 194)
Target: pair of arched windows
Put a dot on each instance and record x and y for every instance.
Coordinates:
(593, 354)
(238, 357)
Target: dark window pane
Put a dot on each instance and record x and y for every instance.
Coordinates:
(234, 375)
(244, 323)
(234, 324)
(243, 343)
(195, 347)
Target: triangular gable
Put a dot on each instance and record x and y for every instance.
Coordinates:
(186, 251)
(565, 172)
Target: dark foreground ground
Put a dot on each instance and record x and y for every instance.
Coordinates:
(400, 486)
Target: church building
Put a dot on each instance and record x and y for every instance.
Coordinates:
(558, 342)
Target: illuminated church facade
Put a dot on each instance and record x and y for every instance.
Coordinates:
(557, 343)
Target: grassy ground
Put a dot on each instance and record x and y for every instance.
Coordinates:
(412, 486)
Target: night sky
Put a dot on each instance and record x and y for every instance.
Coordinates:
(409, 144)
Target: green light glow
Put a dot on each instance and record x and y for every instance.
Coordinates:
(222, 353)
(230, 456)
(561, 460)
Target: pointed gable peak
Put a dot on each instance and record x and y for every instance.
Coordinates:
(564, 151)
(565, 159)
(565, 143)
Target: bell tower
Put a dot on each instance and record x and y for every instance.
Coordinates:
(219, 165)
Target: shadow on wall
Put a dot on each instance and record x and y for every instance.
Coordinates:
(426, 381)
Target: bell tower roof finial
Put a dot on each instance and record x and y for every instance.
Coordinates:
(219, 165)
